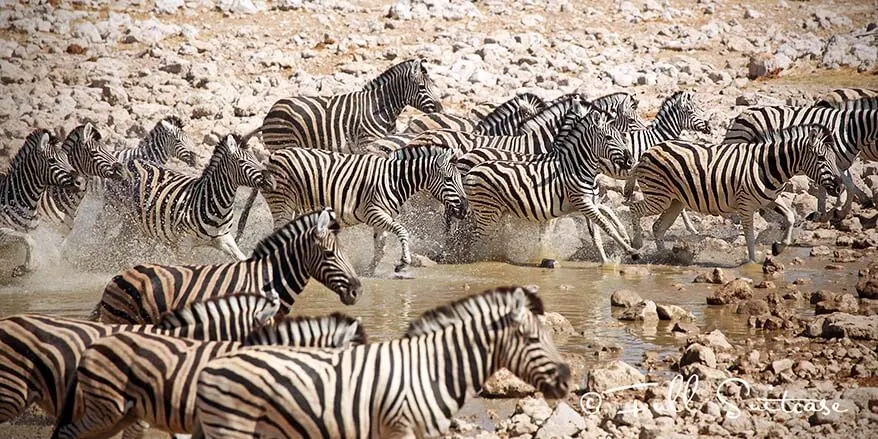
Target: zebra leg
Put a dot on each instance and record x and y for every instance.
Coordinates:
(852, 191)
(29, 245)
(136, 430)
(789, 218)
(226, 244)
(687, 222)
(616, 221)
(664, 222)
(591, 211)
(747, 223)
(595, 237)
(379, 239)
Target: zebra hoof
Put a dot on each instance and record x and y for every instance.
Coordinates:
(400, 268)
(778, 248)
(635, 256)
(20, 271)
(816, 217)
(548, 263)
(867, 204)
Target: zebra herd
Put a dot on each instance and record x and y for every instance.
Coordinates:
(231, 366)
(527, 158)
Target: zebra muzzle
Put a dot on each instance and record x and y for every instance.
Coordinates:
(268, 182)
(834, 186)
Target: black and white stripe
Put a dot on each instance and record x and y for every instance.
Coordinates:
(39, 353)
(170, 206)
(281, 263)
(730, 178)
(37, 165)
(850, 99)
(364, 188)
(409, 387)
(503, 120)
(151, 378)
(166, 140)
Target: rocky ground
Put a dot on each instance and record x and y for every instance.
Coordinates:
(220, 65)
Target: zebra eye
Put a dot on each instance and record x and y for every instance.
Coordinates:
(328, 254)
(533, 339)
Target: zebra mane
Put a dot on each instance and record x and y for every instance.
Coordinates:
(286, 330)
(389, 74)
(472, 307)
(425, 150)
(669, 103)
(174, 120)
(31, 143)
(795, 132)
(288, 231)
(198, 313)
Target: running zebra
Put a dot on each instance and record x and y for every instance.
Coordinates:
(503, 120)
(37, 165)
(39, 353)
(730, 178)
(553, 185)
(170, 206)
(850, 99)
(88, 156)
(852, 130)
(364, 188)
(281, 263)
(343, 123)
(166, 140)
(406, 387)
(151, 378)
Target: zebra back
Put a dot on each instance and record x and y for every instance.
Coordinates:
(850, 99)
(336, 330)
(41, 352)
(506, 119)
(376, 384)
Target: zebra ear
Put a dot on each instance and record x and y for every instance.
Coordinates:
(230, 143)
(167, 125)
(323, 222)
(519, 305)
(44, 142)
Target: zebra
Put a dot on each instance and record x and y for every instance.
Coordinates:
(624, 107)
(364, 188)
(343, 123)
(37, 165)
(503, 120)
(552, 185)
(151, 378)
(853, 131)
(282, 262)
(850, 99)
(89, 157)
(167, 139)
(730, 178)
(39, 353)
(405, 387)
(170, 206)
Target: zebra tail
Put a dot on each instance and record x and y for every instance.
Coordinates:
(242, 221)
(628, 191)
(66, 416)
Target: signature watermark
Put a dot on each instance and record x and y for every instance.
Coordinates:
(682, 391)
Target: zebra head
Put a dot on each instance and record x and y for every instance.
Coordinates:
(425, 98)
(48, 163)
(527, 349)
(243, 168)
(235, 314)
(818, 160)
(169, 135)
(590, 137)
(623, 107)
(688, 115)
(327, 263)
(445, 183)
(89, 155)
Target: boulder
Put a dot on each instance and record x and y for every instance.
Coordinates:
(615, 374)
(673, 312)
(685, 328)
(842, 303)
(625, 298)
(770, 266)
(698, 354)
(753, 307)
(822, 295)
(717, 340)
(557, 323)
(504, 384)
(841, 325)
(642, 312)
(731, 292)
(717, 276)
(564, 422)
(867, 284)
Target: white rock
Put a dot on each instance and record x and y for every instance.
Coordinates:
(168, 6)
(238, 6)
(615, 374)
(564, 422)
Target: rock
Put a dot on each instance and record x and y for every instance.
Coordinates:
(864, 397)
(644, 311)
(845, 255)
(685, 328)
(751, 13)
(731, 292)
(615, 374)
(168, 6)
(557, 323)
(698, 354)
(769, 266)
(762, 64)
(820, 250)
(633, 270)
(534, 408)
(753, 307)
(717, 276)
(673, 312)
(766, 284)
(867, 283)
(519, 425)
(868, 307)
(738, 425)
(845, 412)
(782, 365)
(711, 244)
(419, 260)
(635, 414)
(841, 325)
(504, 384)
(843, 303)
(625, 298)
(805, 369)
(564, 422)
(850, 224)
(716, 340)
(822, 295)
(237, 6)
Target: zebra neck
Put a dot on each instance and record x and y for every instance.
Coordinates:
(283, 271)
(384, 106)
(408, 177)
(151, 150)
(665, 127)
(20, 193)
(214, 196)
(779, 161)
